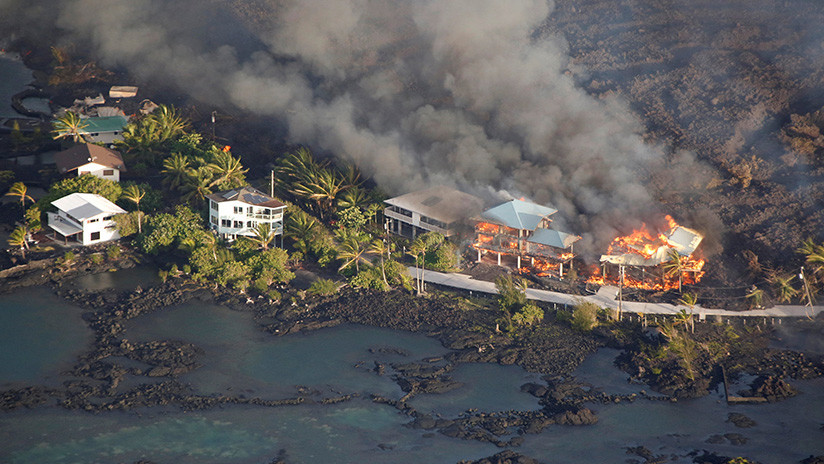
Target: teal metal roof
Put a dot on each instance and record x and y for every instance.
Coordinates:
(553, 238)
(518, 214)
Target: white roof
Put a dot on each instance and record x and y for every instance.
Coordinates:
(440, 202)
(82, 206)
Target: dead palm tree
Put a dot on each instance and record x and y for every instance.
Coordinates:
(19, 190)
(134, 194)
(756, 297)
(70, 125)
(18, 238)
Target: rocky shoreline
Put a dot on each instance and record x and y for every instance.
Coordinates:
(97, 379)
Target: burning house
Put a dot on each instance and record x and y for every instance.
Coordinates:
(519, 231)
(437, 209)
(662, 261)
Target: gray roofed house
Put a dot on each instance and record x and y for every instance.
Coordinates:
(553, 238)
(438, 209)
(237, 212)
(519, 214)
(86, 217)
(520, 229)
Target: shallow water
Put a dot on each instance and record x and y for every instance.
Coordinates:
(124, 279)
(40, 335)
(240, 359)
(14, 78)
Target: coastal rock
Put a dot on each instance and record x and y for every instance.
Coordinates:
(504, 457)
(740, 420)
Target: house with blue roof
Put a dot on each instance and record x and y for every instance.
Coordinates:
(518, 231)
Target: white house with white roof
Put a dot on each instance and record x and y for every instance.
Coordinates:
(84, 217)
(239, 211)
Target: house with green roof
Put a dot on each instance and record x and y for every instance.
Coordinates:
(519, 231)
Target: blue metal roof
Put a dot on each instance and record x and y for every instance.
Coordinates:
(553, 238)
(518, 214)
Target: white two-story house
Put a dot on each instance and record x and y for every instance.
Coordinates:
(84, 217)
(238, 211)
(87, 158)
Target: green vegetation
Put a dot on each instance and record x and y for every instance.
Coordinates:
(323, 287)
(513, 304)
(584, 316)
(87, 183)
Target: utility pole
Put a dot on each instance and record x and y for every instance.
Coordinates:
(213, 125)
(620, 291)
(809, 304)
(272, 183)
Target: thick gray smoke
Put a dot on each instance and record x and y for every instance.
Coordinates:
(458, 92)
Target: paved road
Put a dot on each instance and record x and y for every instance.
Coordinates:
(606, 297)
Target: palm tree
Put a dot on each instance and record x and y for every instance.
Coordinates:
(302, 228)
(70, 125)
(177, 170)
(814, 253)
(134, 194)
(756, 297)
(674, 266)
(18, 238)
(689, 300)
(351, 250)
(263, 235)
(417, 249)
(355, 197)
(784, 290)
(169, 123)
(322, 187)
(381, 247)
(228, 171)
(198, 185)
(19, 189)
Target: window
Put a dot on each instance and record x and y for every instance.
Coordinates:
(213, 205)
(92, 220)
(238, 210)
(213, 219)
(225, 223)
(107, 218)
(95, 236)
(251, 224)
(250, 210)
(238, 224)
(108, 172)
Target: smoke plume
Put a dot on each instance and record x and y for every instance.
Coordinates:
(476, 94)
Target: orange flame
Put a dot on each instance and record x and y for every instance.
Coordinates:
(226, 148)
(643, 242)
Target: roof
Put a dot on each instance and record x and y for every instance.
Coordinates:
(441, 203)
(553, 238)
(82, 206)
(105, 124)
(684, 240)
(518, 214)
(85, 153)
(248, 195)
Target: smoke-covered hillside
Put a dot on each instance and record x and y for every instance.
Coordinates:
(614, 113)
